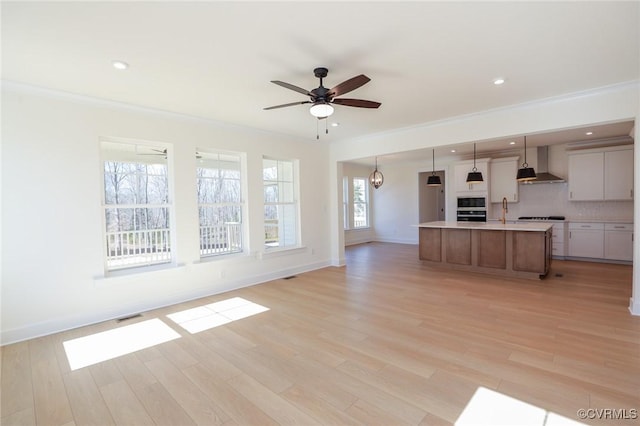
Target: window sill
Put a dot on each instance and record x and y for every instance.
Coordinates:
(286, 251)
(116, 275)
(221, 257)
(362, 228)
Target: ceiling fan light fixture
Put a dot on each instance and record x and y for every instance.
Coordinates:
(321, 110)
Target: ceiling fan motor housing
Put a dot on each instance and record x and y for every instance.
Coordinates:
(320, 72)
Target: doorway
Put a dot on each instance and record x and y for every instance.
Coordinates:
(431, 199)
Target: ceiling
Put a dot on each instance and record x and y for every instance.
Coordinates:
(427, 61)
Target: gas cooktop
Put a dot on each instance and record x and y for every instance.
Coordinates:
(541, 218)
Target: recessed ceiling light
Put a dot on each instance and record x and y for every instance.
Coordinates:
(589, 133)
(335, 124)
(498, 81)
(120, 65)
(453, 150)
(512, 143)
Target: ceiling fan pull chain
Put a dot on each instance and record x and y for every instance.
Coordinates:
(326, 127)
(317, 131)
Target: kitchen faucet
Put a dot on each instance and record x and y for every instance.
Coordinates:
(505, 210)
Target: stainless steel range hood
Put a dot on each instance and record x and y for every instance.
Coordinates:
(542, 171)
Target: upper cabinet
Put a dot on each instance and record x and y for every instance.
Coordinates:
(586, 176)
(503, 183)
(618, 175)
(462, 169)
(601, 174)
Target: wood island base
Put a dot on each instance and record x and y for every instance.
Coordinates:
(502, 251)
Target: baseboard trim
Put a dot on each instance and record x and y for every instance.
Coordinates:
(396, 241)
(634, 307)
(60, 324)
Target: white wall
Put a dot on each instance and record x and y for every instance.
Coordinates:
(396, 205)
(52, 242)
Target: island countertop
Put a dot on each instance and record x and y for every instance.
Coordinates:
(534, 226)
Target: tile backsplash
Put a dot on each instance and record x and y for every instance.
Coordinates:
(552, 199)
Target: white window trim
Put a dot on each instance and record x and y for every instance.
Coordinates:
(367, 205)
(241, 204)
(296, 201)
(107, 156)
(346, 211)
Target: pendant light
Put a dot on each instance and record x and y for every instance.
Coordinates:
(525, 173)
(474, 175)
(376, 179)
(433, 180)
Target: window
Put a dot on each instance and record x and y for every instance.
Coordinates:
(360, 203)
(136, 205)
(280, 203)
(345, 202)
(219, 203)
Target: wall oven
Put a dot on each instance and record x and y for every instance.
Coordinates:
(472, 209)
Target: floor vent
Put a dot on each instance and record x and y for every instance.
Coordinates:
(559, 275)
(129, 317)
(289, 278)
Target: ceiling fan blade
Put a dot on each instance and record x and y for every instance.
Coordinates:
(349, 85)
(360, 103)
(287, 105)
(157, 152)
(292, 87)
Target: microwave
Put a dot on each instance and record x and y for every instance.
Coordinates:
(472, 203)
(472, 209)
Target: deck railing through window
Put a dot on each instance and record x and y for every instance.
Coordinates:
(359, 223)
(221, 239)
(134, 248)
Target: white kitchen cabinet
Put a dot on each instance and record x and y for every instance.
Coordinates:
(601, 174)
(462, 169)
(618, 175)
(503, 183)
(618, 241)
(558, 240)
(586, 240)
(586, 176)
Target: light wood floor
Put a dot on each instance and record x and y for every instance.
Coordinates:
(385, 340)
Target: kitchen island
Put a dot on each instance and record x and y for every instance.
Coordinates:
(519, 250)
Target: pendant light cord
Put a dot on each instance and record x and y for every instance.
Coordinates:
(433, 162)
(474, 158)
(525, 164)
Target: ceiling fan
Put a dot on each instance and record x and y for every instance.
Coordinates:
(322, 98)
(164, 153)
(159, 152)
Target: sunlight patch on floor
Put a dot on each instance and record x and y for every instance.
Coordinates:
(106, 345)
(491, 408)
(215, 314)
